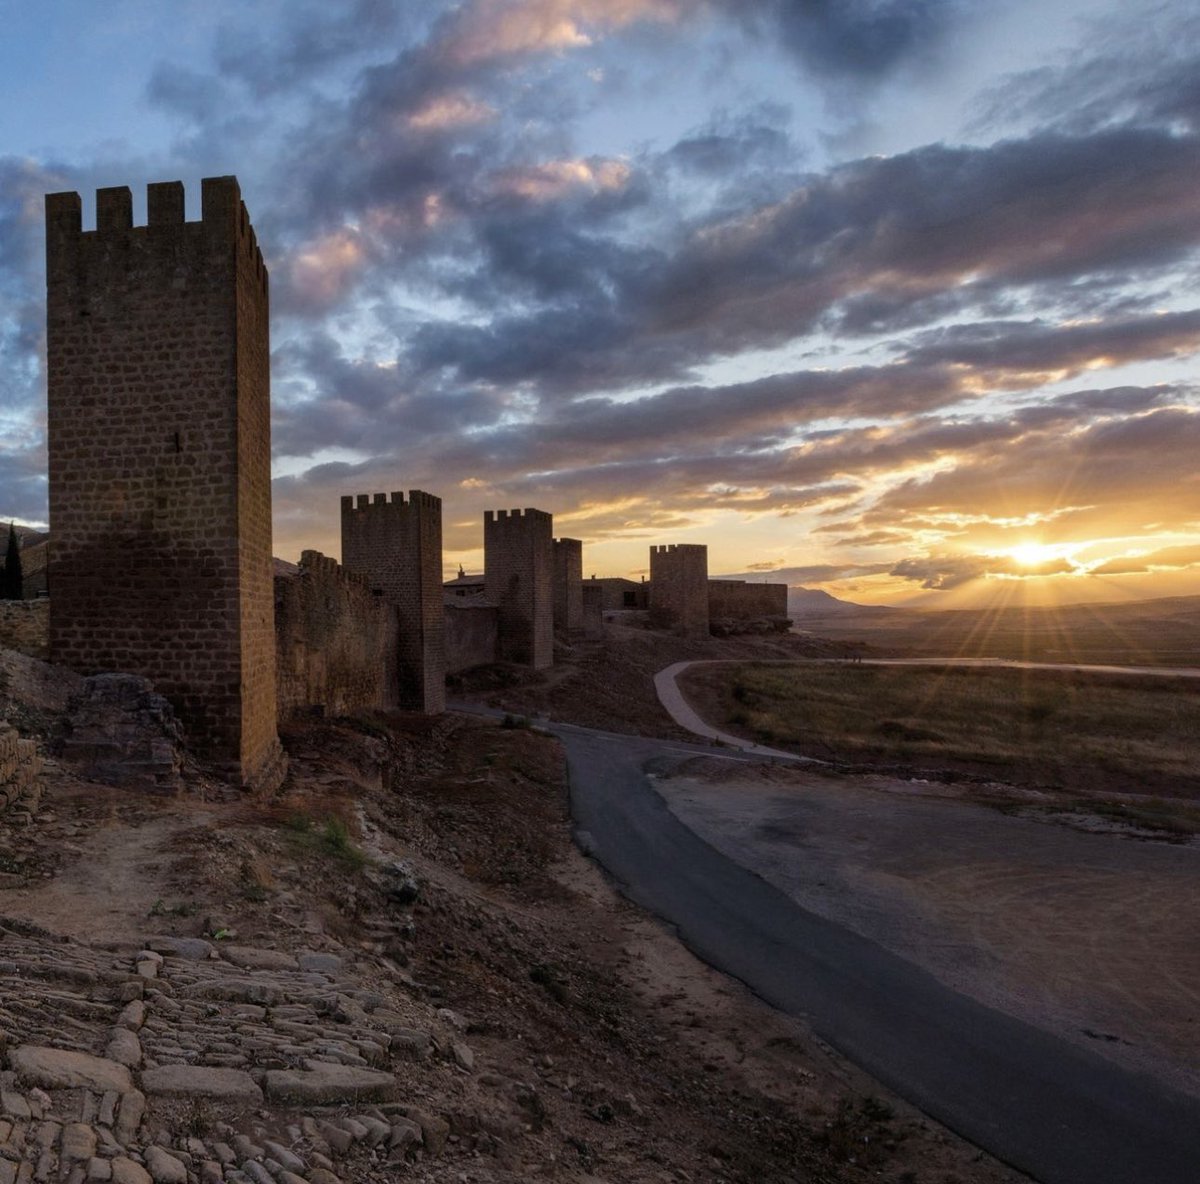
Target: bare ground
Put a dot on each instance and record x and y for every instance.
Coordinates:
(610, 684)
(629, 1060)
(1079, 931)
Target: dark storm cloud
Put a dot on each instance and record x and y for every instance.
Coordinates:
(921, 222)
(999, 352)
(850, 39)
(311, 38)
(903, 230)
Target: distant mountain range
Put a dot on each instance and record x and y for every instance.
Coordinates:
(812, 602)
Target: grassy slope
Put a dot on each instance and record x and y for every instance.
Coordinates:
(1060, 729)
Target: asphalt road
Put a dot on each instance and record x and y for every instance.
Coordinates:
(1057, 1112)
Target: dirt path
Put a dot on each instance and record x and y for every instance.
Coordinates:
(117, 861)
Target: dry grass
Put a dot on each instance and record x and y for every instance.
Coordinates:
(1061, 729)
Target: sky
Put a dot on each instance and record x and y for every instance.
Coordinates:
(893, 298)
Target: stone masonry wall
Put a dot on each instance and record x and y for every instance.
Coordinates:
(518, 562)
(471, 632)
(679, 588)
(568, 587)
(24, 626)
(20, 771)
(593, 612)
(159, 448)
(740, 600)
(337, 641)
(397, 546)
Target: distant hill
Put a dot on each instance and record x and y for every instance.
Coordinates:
(812, 602)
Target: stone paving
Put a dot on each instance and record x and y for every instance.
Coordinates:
(194, 1062)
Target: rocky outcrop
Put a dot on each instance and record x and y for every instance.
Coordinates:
(119, 731)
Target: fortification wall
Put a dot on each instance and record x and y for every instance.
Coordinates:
(159, 459)
(397, 546)
(679, 588)
(740, 600)
(568, 587)
(25, 627)
(593, 613)
(518, 561)
(336, 641)
(472, 631)
(20, 772)
(618, 593)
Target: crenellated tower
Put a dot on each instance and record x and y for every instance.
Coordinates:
(518, 575)
(397, 545)
(158, 363)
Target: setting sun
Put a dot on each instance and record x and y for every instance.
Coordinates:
(1034, 554)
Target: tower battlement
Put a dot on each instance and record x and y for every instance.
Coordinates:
(529, 515)
(223, 219)
(417, 499)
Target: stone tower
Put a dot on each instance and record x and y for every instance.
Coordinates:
(518, 575)
(568, 587)
(160, 480)
(397, 545)
(679, 588)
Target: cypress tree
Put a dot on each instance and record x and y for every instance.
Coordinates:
(12, 581)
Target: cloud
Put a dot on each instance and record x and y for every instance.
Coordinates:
(858, 39)
(1004, 353)
(1141, 68)
(1165, 558)
(943, 572)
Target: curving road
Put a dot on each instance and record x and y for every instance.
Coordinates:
(1058, 1112)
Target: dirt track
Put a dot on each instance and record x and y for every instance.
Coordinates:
(1088, 935)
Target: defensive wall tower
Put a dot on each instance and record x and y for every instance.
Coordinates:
(518, 575)
(679, 587)
(568, 587)
(397, 545)
(160, 481)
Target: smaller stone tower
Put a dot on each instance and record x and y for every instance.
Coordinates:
(518, 563)
(397, 545)
(568, 587)
(679, 588)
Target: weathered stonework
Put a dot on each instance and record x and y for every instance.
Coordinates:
(159, 445)
(337, 641)
(118, 730)
(742, 600)
(679, 588)
(568, 587)
(518, 562)
(617, 593)
(593, 612)
(397, 546)
(20, 771)
(24, 626)
(472, 627)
